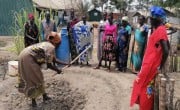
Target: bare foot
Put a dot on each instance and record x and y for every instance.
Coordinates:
(97, 67)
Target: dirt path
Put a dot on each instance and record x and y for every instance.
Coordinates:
(104, 89)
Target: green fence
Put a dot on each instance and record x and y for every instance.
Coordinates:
(7, 9)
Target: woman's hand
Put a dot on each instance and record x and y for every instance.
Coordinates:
(69, 64)
(59, 71)
(55, 68)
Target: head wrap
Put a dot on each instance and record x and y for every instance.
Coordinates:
(125, 18)
(30, 16)
(54, 38)
(47, 13)
(157, 11)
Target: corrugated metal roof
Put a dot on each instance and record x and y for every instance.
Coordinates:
(56, 4)
(45, 4)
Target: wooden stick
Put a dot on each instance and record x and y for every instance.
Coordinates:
(162, 94)
(78, 56)
(171, 95)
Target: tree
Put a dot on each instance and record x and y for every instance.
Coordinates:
(121, 4)
(99, 3)
(83, 8)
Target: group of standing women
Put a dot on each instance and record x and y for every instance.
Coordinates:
(114, 41)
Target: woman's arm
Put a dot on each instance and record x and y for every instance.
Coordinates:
(165, 49)
(54, 67)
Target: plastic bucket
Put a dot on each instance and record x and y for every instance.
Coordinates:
(13, 68)
(62, 51)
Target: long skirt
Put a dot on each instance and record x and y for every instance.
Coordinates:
(31, 80)
(108, 53)
(137, 51)
(122, 53)
(72, 46)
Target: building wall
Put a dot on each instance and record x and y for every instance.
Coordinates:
(7, 9)
(95, 15)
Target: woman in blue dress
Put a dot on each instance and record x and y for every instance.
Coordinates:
(124, 35)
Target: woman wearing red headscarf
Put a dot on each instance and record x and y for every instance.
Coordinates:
(31, 31)
(154, 58)
(31, 60)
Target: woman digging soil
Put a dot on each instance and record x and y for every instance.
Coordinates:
(31, 59)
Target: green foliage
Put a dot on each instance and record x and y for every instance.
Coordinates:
(120, 4)
(18, 29)
(99, 3)
(20, 18)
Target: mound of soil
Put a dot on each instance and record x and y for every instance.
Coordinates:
(63, 97)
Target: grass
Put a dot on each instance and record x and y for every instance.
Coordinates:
(20, 18)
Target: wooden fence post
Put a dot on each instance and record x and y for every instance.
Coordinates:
(156, 91)
(171, 94)
(175, 63)
(162, 94)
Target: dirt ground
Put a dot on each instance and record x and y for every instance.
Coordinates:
(79, 88)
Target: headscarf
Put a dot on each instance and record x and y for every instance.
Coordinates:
(158, 12)
(125, 18)
(30, 16)
(54, 38)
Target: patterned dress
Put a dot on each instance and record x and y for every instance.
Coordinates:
(31, 80)
(83, 38)
(72, 44)
(109, 42)
(123, 46)
(140, 38)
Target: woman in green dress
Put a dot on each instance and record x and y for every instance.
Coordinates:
(139, 44)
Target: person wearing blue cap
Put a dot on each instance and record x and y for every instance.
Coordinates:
(154, 59)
